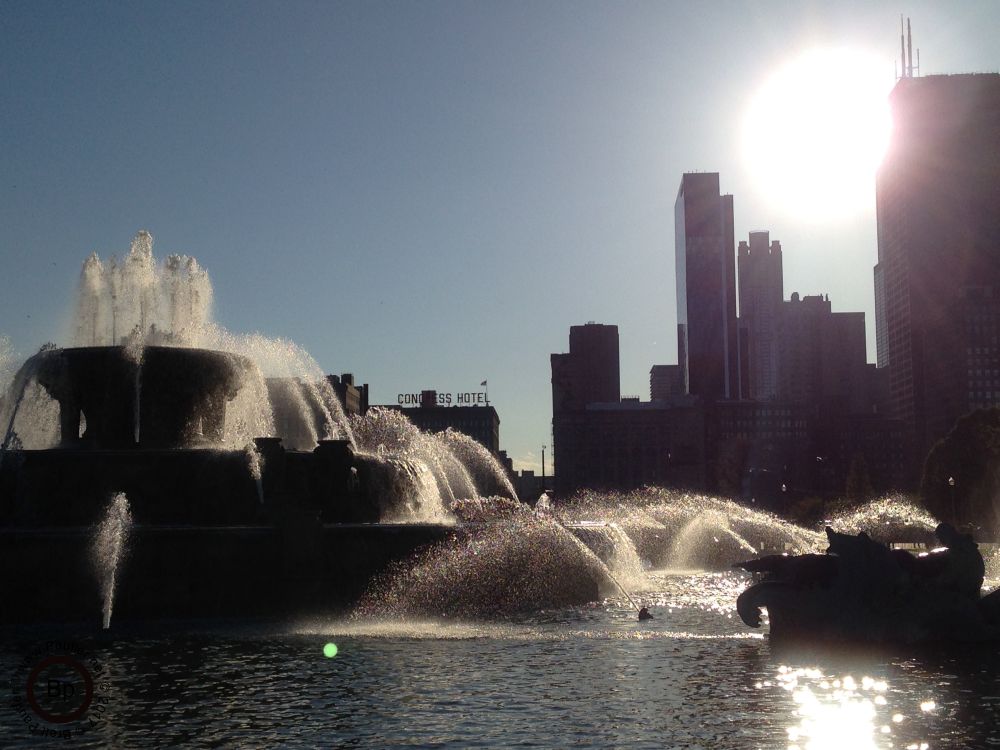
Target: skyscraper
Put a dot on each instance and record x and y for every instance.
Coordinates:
(589, 373)
(707, 338)
(937, 281)
(761, 291)
(601, 440)
(821, 358)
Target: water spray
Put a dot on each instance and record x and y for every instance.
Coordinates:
(107, 550)
(622, 589)
(642, 611)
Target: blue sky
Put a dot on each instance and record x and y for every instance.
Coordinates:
(424, 194)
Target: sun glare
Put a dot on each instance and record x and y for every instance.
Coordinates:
(815, 132)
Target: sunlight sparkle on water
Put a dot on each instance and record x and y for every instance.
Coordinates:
(838, 711)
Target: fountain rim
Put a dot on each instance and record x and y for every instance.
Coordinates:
(145, 347)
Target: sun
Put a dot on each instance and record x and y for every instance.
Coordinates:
(815, 133)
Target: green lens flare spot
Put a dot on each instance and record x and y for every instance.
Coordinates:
(330, 650)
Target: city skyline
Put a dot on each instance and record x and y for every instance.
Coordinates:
(429, 196)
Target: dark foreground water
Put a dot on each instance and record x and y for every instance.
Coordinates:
(587, 677)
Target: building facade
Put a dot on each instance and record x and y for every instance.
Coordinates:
(761, 291)
(665, 382)
(602, 441)
(589, 373)
(353, 398)
(822, 359)
(937, 197)
(707, 336)
(630, 444)
(481, 423)
(764, 451)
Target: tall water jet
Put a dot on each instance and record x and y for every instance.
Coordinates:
(6, 362)
(255, 465)
(108, 550)
(133, 350)
(169, 303)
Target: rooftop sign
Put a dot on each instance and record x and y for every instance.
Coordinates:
(438, 398)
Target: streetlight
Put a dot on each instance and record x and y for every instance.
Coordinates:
(951, 484)
(543, 467)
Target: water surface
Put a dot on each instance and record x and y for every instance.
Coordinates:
(590, 676)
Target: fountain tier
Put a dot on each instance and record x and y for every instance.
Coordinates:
(166, 397)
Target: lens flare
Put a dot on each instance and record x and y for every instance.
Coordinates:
(815, 133)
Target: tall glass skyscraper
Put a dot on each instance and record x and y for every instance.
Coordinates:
(937, 282)
(707, 337)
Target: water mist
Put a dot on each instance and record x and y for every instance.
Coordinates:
(108, 550)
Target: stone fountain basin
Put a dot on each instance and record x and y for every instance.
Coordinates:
(158, 397)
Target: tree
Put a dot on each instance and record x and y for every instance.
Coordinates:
(858, 489)
(961, 474)
(731, 467)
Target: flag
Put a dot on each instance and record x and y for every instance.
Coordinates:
(483, 383)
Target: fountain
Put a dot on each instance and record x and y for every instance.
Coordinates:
(504, 558)
(250, 492)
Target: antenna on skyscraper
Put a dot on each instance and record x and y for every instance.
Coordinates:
(909, 51)
(906, 50)
(902, 47)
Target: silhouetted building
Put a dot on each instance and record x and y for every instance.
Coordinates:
(763, 448)
(874, 439)
(881, 320)
(938, 272)
(980, 318)
(589, 372)
(629, 444)
(600, 440)
(707, 337)
(530, 486)
(822, 358)
(481, 423)
(761, 290)
(353, 399)
(665, 382)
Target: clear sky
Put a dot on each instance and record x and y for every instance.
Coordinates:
(426, 194)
